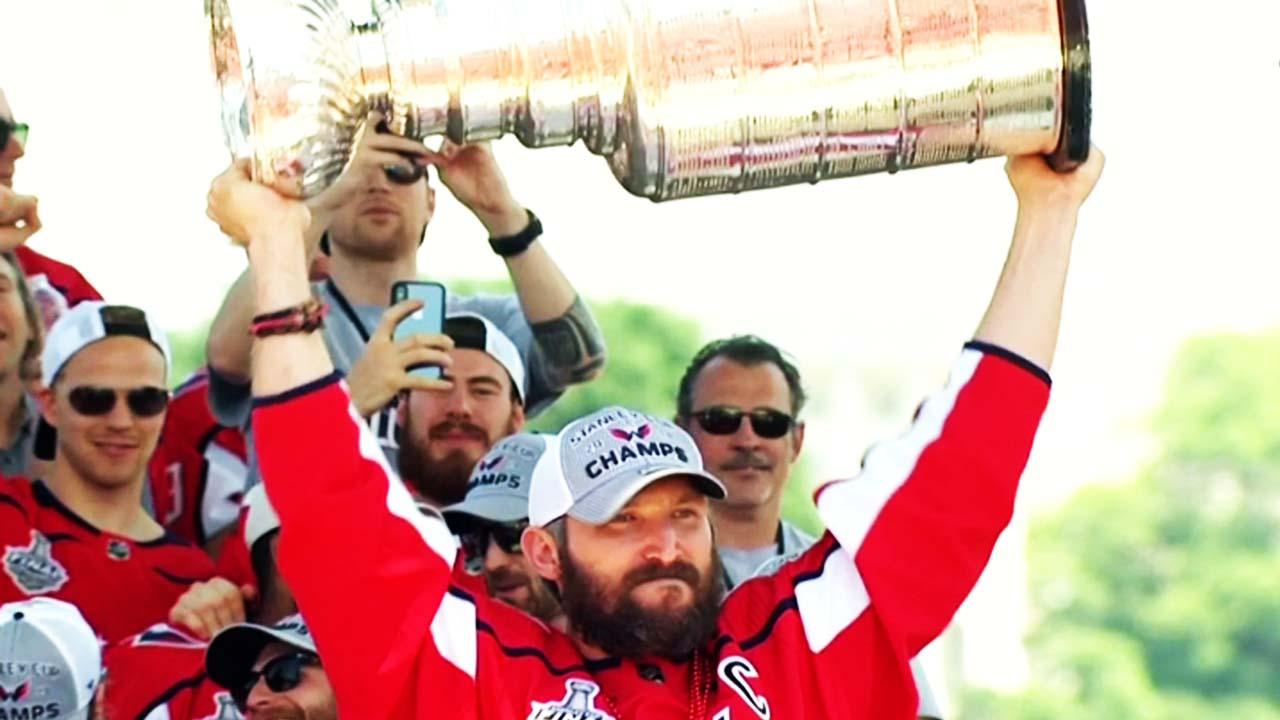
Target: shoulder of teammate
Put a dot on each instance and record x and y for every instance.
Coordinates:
(17, 509)
(159, 666)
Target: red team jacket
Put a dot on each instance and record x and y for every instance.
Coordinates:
(159, 674)
(198, 471)
(62, 277)
(828, 636)
(122, 586)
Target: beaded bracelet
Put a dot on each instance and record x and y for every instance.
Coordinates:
(304, 318)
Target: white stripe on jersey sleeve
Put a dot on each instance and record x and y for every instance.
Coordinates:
(849, 508)
(225, 480)
(454, 631)
(429, 524)
(160, 713)
(830, 602)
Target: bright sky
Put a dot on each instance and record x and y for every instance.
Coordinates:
(870, 279)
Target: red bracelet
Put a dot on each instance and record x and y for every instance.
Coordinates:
(304, 318)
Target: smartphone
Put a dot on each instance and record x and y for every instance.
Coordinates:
(427, 320)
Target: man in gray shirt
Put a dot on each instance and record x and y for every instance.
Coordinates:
(372, 221)
(740, 399)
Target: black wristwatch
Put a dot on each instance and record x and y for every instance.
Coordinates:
(513, 245)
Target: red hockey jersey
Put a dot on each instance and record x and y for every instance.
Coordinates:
(159, 675)
(70, 286)
(828, 636)
(198, 471)
(120, 585)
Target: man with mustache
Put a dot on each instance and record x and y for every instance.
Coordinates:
(445, 431)
(625, 531)
(740, 399)
(490, 521)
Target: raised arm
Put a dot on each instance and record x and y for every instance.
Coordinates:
(350, 533)
(229, 343)
(923, 516)
(570, 341)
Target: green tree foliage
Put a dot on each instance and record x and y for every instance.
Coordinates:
(1161, 598)
(187, 347)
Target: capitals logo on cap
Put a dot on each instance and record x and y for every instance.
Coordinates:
(625, 435)
(609, 456)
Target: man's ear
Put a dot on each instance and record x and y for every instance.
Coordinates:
(518, 418)
(543, 553)
(45, 399)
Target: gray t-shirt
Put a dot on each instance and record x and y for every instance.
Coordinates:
(15, 460)
(346, 333)
(742, 565)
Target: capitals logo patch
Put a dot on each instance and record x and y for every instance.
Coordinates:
(579, 703)
(15, 694)
(624, 435)
(32, 568)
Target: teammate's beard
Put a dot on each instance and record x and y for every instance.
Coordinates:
(442, 481)
(620, 626)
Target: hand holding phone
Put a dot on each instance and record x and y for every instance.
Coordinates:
(427, 320)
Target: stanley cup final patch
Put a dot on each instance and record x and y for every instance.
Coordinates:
(579, 703)
(32, 567)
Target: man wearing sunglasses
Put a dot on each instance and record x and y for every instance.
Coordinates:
(58, 285)
(828, 636)
(492, 518)
(81, 533)
(740, 398)
(162, 669)
(272, 671)
(374, 218)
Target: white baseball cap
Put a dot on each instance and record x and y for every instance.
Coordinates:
(498, 489)
(89, 322)
(50, 660)
(606, 458)
(233, 651)
(476, 332)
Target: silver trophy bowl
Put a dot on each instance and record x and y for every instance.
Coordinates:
(683, 97)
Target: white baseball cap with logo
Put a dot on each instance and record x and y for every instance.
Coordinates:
(472, 331)
(50, 660)
(233, 651)
(498, 489)
(89, 322)
(609, 456)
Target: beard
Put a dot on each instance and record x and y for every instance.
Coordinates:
(623, 627)
(442, 480)
(541, 604)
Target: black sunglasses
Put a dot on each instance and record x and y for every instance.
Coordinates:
(765, 422)
(18, 130)
(475, 543)
(281, 674)
(399, 174)
(142, 402)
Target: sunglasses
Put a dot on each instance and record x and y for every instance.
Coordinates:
(475, 543)
(17, 130)
(142, 402)
(281, 674)
(765, 422)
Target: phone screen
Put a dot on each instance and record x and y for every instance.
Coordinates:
(427, 320)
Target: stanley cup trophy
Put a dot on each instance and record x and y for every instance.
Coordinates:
(683, 97)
